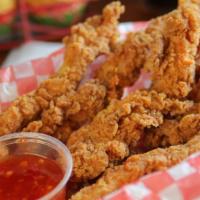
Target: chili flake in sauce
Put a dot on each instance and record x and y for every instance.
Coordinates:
(28, 177)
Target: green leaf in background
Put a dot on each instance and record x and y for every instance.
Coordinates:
(82, 9)
(67, 19)
(4, 29)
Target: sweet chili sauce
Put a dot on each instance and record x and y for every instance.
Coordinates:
(28, 177)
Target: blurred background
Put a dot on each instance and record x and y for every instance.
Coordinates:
(23, 21)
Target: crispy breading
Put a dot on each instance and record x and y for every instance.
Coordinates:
(89, 39)
(167, 48)
(85, 43)
(136, 166)
(122, 67)
(69, 112)
(173, 132)
(23, 109)
(123, 122)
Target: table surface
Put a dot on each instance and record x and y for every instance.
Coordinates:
(136, 10)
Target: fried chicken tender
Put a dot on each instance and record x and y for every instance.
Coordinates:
(122, 67)
(167, 48)
(173, 132)
(96, 36)
(136, 166)
(116, 129)
(85, 43)
(70, 111)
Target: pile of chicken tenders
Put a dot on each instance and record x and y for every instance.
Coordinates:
(116, 139)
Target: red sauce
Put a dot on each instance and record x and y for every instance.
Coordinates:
(28, 177)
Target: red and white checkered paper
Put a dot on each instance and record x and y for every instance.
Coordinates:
(179, 182)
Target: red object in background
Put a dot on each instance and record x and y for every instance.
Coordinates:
(29, 177)
(24, 30)
(4, 18)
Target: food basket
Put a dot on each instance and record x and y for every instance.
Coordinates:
(178, 182)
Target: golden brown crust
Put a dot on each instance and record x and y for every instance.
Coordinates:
(123, 66)
(137, 166)
(167, 48)
(85, 43)
(101, 135)
(176, 72)
(123, 121)
(68, 112)
(173, 132)
(90, 39)
(23, 109)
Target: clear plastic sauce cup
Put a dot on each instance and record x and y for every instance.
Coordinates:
(44, 146)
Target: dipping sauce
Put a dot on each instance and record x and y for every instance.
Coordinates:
(28, 177)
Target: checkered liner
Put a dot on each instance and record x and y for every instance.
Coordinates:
(179, 182)
(20, 79)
